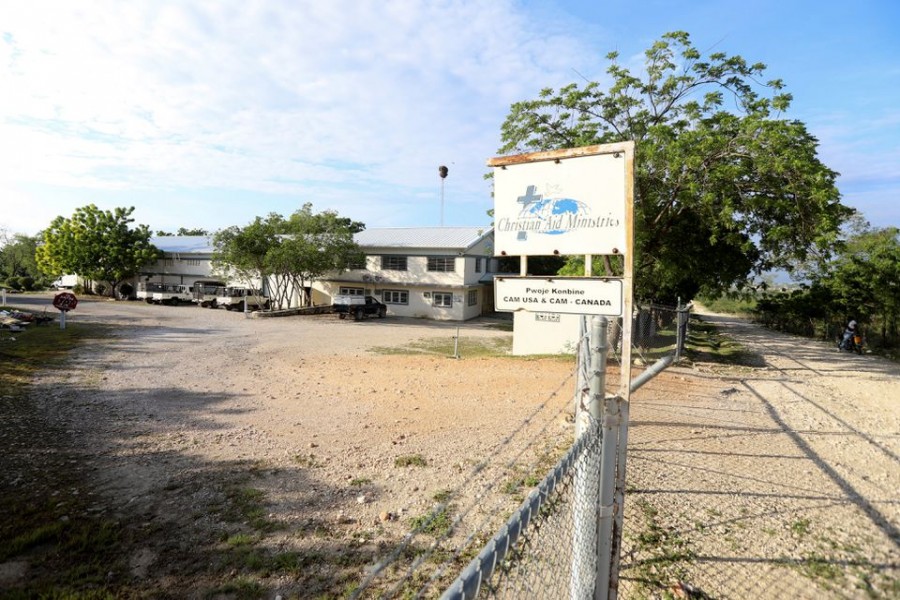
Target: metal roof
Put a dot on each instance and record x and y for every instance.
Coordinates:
(435, 238)
(442, 238)
(189, 244)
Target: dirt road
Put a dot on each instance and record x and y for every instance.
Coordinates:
(782, 480)
(228, 457)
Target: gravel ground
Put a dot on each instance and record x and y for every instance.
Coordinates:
(779, 481)
(220, 442)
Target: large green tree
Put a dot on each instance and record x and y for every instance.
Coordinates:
(18, 263)
(864, 280)
(99, 245)
(725, 187)
(288, 252)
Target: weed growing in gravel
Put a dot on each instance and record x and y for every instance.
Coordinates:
(818, 567)
(442, 495)
(800, 527)
(410, 460)
(360, 482)
(438, 522)
(308, 461)
(662, 555)
(246, 505)
(241, 588)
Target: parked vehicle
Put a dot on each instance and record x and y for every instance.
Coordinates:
(359, 307)
(172, 294)
(145, 290)
(206, 291)
(241, 298)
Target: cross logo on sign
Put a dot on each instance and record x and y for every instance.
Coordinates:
(528, 199)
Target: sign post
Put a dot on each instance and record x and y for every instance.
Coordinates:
(577, 202)
(64, 302)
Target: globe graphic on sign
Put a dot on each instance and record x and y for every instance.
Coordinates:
(550, 209)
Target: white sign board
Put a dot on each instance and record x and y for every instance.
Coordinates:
(575, 205)
(575, 296)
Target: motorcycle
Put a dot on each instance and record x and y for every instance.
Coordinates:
(852, 342)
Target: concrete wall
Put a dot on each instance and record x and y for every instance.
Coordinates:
(545, 333)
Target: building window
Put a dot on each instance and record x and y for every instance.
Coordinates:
(193, 262)
(395, 297)
(444, 264)
(393, 263)
(357, 264)
(442, 299)
(349, 291)
(473, 297)
(478, 265)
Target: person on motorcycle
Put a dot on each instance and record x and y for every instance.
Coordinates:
(849, 332)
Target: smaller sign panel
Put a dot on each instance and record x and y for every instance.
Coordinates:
(574, 296)
(65, 301)
(547, 317)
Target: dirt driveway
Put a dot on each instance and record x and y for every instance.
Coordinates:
(231, 457)
(775, 481)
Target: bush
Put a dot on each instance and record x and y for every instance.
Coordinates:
(14, 282)
(27, 283)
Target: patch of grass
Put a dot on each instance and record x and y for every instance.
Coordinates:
(662, 556)
(800, 527)
(442, 495)
(43, 533)
(820, 568)
(308, 461)
(247, 505)
(706, 343)
(410, 460)
(41, 347)
(444, 346)
(360, 482)
(240, 539)
(242, 588)
(438, 522)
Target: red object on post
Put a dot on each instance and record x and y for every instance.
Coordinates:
(65, 301)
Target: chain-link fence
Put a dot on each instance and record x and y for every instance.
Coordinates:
(548, 547)
(722, 500)
(553, 546)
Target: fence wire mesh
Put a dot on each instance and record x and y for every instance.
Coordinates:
(547, 547)
(725, 501)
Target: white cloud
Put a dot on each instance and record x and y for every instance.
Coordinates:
(290, 97)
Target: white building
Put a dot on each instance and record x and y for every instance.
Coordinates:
(443, 273)
(186, 259)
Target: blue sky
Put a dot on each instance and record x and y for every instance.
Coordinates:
(207, 114)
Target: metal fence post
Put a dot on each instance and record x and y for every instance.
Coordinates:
(608, 453)
(681, 330)
(587, 485)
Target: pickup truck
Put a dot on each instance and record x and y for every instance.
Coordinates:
(235, 298)
(358, 306)
(145, 290)
(172, 294)
(206, 291)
